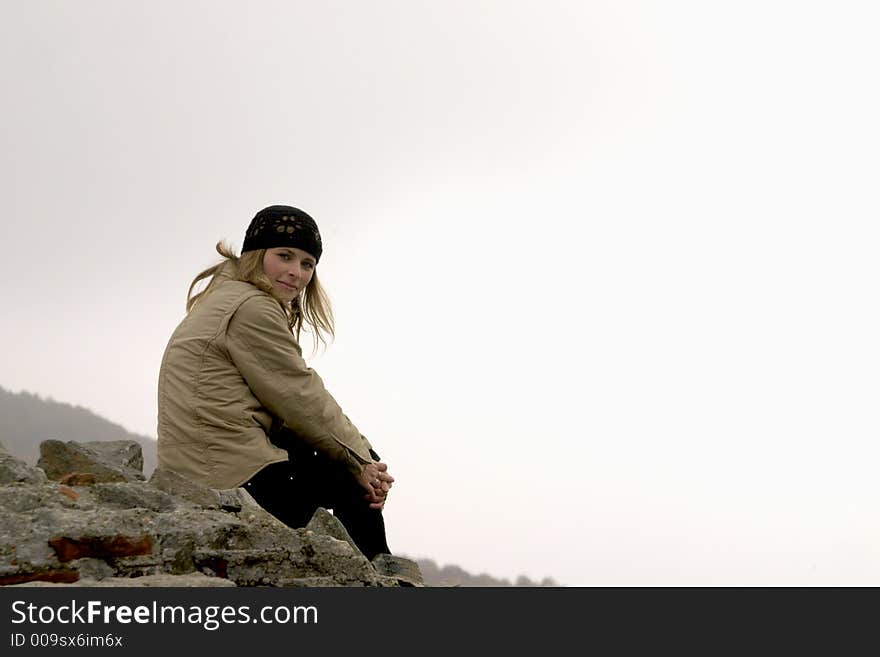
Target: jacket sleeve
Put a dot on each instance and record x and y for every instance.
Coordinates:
(265, 352)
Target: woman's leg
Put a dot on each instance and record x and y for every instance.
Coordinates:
(273, 488)
(345, 496)
(293, 490)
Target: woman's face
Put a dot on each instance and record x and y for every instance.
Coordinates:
(289, 269)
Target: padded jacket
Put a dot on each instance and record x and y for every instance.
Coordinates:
(233, 374)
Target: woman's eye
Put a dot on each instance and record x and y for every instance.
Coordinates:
(284, 256)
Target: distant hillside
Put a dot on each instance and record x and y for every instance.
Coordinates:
(455, 576)
(26, 420)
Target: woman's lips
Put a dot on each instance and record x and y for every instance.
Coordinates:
(287, 285)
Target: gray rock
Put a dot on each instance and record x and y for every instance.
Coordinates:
(58, 459)
(252, 512)
(34, 552)
(19, 499)
(189, 580)
(313, 555)
(79, 479)
(308, 582)
(165, 580)
(230, 499)
(179, 486)
(165, 532)
(93, 569)
(323, 522)
(122, 453)
(12, 471)
(132, 496)
(405, 571)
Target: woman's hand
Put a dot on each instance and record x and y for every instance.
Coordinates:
(376, 480)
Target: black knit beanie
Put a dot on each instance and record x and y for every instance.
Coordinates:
(282, 225)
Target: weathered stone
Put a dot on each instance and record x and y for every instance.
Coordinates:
(165, 580)
(32, 553)
(68, 492)
(269, 567)
(138, 566)
(308, 582)
(79, 479)
(68, 548)
(252, 512)
(405, 571)
(36, 499)
(58, 459)
(122, 453)
(122, 532)
(94, 569)
(325, 554)
(323, 522)
(132, 496)
(179, 486)
(230, 499)
(13, 470)
(19, 499)
(59, 576)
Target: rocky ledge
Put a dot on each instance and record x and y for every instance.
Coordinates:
(85, 516)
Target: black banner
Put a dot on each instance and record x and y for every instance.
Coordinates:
(240, 621)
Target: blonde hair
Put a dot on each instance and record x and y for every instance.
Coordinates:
(311, 308)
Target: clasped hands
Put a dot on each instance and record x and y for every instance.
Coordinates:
(376, 480)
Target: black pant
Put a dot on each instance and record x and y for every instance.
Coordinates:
(292, 491)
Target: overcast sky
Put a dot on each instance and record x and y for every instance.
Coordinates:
(605, 273)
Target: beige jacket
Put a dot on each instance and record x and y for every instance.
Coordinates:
(230, 368)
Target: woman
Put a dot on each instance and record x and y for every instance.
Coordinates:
(239, 407)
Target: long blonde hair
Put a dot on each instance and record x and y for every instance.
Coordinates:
(311, 308)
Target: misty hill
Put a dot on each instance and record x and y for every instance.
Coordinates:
(454, 576)
(26, 420)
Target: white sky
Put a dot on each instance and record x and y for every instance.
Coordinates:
(604, 273)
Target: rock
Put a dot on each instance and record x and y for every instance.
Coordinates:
(21, 499)
(230, 499)
(164, 580)
(251, 511)
(106, 527)
(68, 549)
(122, 453)
(323, 522)
(57, 576)
(92, 569)
(30, 554)
(79, 479)
(58, 459)
(132, 496)
(12, 470)
(179, 486)
(67, 491)
(308, 582)
(405, 571)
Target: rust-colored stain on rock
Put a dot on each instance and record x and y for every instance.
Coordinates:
(63, 576)
(100, 547)
(79, 479)
(217, 565)
(68, 492)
